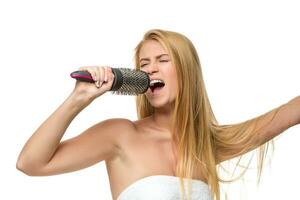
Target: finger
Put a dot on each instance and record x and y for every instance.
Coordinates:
(99, 80)
(82, 68)
(102, 75)
(110, 74)
(90, 71)
(97, 73)
(106, 73)
(95, 76)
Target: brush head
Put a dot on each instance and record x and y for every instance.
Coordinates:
(129, 81)
(126, 81)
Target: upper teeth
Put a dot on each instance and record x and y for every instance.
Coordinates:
(152, 82)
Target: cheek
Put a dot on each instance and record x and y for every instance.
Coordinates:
(172, 84)
(174, 78)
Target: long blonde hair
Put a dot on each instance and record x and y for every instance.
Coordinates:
(200, 140)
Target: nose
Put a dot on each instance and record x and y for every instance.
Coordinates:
(152, 68)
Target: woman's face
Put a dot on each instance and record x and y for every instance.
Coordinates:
(156, 61)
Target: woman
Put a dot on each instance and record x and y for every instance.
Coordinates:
(175, 141)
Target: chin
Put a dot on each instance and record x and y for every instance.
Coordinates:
(160, 100)
(160, 103)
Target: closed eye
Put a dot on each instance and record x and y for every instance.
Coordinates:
(159, 61)
(143, 65)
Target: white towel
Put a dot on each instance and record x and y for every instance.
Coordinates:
(164, 187)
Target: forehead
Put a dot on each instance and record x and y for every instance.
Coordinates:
(151, 47)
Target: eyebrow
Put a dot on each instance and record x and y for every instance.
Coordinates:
(157, 57)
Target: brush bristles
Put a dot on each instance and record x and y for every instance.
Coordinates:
(134, 82)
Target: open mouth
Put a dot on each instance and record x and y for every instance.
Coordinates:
(156, 84)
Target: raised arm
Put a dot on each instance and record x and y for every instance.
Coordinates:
(44, 154)
(237, 139)
(288, 115)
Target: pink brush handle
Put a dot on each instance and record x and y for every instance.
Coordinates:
(82, 76)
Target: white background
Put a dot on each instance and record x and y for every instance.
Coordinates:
(249, 51)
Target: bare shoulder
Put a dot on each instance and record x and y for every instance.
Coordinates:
(122, 133)
(123, 129)
(118, 123)
(118, 129)
(117, 126)
(123, 125)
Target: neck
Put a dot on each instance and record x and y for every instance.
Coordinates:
(162, 118)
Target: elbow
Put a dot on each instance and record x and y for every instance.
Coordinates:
(27, 169)
(21, 167)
